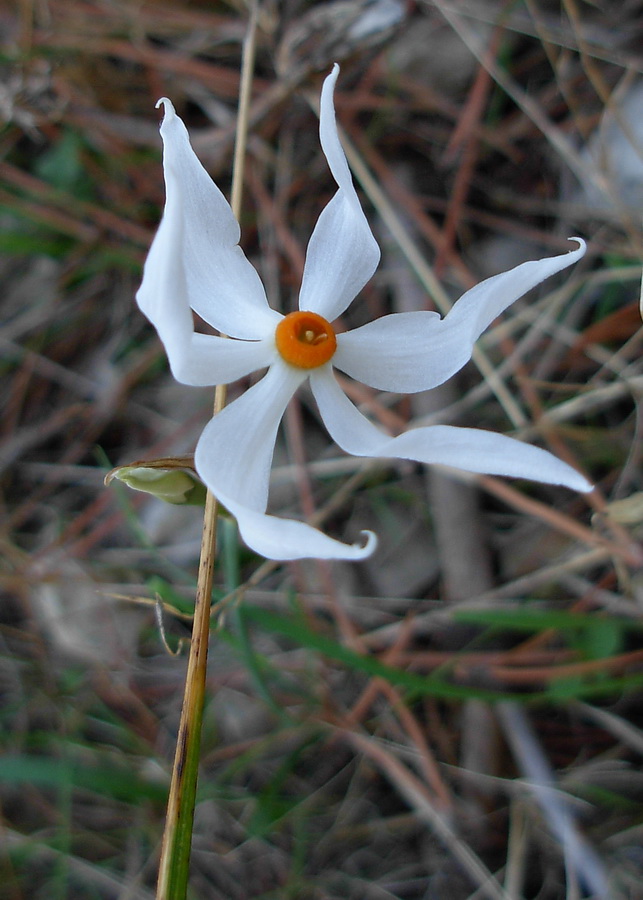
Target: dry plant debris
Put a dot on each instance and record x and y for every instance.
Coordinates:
(391, 729)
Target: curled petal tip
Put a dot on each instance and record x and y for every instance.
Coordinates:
(371, 539)
(582, 245)
(168, 107)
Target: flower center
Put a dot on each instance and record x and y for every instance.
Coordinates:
(305, 340)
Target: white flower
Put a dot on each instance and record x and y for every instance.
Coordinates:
(195, 263)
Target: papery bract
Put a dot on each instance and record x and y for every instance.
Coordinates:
(195, 263)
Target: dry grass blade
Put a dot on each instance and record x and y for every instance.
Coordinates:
(586, 864)
(415, 795)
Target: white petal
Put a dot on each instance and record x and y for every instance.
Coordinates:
(222, 285)
(215, 360)
(470, 449)
(409, 352)
(234, 453)
(195, 359)
(277, 538)
(233, 458)
(342, 254)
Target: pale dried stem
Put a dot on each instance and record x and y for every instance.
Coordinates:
(184, 772)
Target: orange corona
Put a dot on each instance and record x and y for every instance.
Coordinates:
(305, 340)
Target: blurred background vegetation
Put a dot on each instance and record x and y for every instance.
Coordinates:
(393, 729)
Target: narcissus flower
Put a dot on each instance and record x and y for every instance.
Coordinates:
(195, 263)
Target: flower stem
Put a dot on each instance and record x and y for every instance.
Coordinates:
(177, 837)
